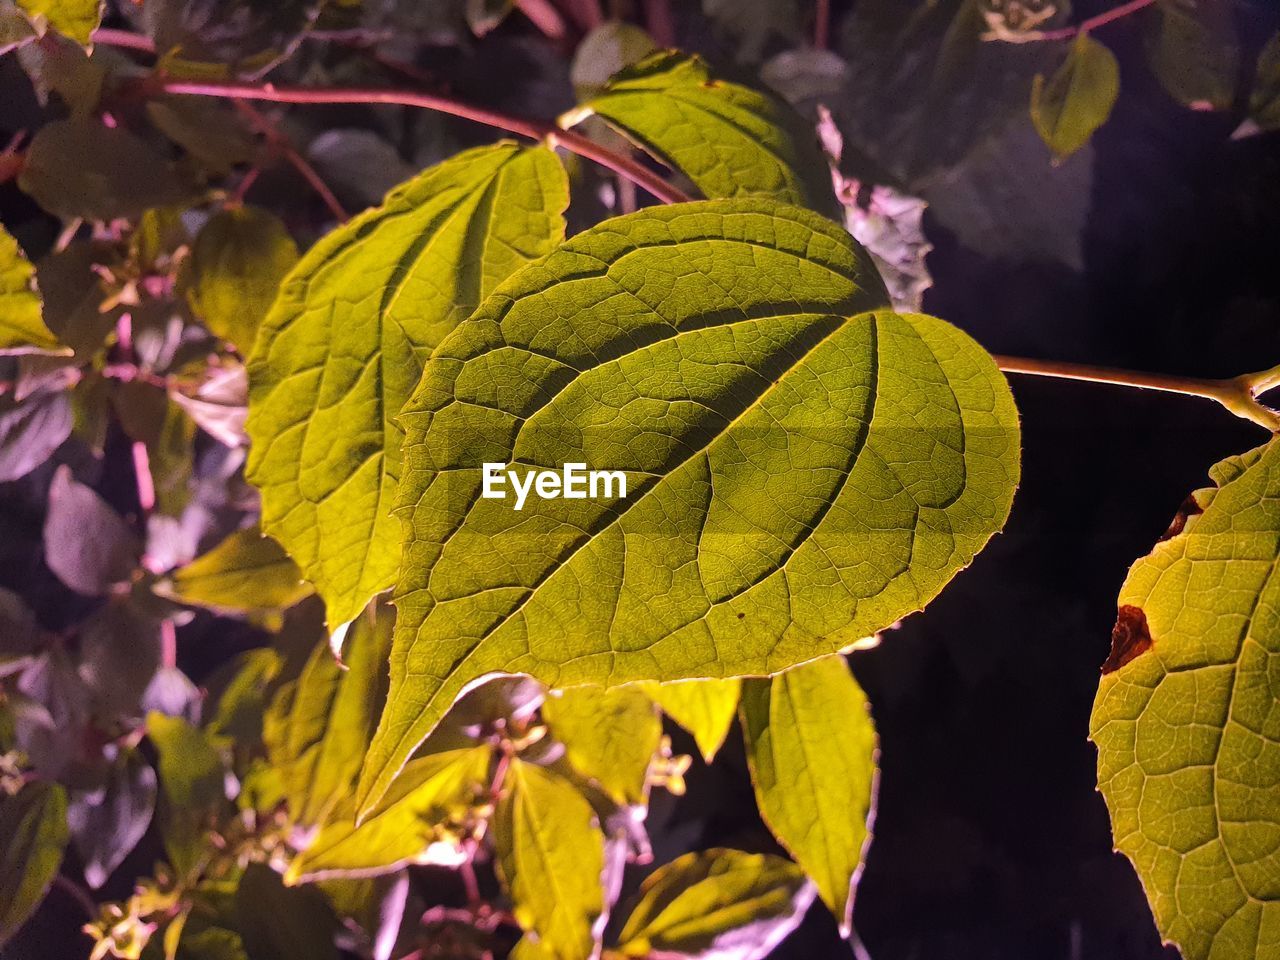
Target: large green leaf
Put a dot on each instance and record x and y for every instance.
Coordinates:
(801, 472)
(33, 836)
(705, 708)
(22, 328)
(550, 852)
(716, 903)
(1078, 98)
(730, 140)
(343, 347)
(1186, 719)
(610, 736)
(811, 747)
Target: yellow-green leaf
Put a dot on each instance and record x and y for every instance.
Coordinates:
(801, 472)
(237, 263)
(1077, 99)
(811, 748)
(22, 329)
(705, 708)
(193, 786)
(610, 736)
(707, 904)
(74, 19)
(1186, 719)
(344, 345)
(730, 140)
(33, 836)
(550, 854)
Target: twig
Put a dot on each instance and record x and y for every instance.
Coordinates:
(296, 159)
(124, 38)
(545, 17)
(1084, 26)
(661, 25)
(1237, 394)
(76, 893)
(822, 25)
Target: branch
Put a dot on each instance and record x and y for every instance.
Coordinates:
(300, 163)
(1084, 26)
(1237, 394)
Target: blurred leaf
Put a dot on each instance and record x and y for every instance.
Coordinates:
(1078, 98)
(58, 65)
(245, 573)
(721, 904)
(73, 295)
(158, 236)
(610, 735)
(107, 821)
(86, 543)
(603, 52)
(76, 19)
(16, 29)
(217, 400)
(1185, 719)
(19, 634)
(81, 168)
(485, 15)
(805, 77)
(1264, 98)
(283, 923)
(811, 748)
(241, 704)
(550, 855)
(31, 431)
(119, 655)
(217, 38)
(706, 708)
(1195, 52)
(376, 904)
(33, 835)
(193, 785)
(236, 266)
(756, 24)
(730, 140)
(360, 166)
(51, 723)
(354, 323)
(212, 943)
(319, 735)
(210, 131)
(421, 820)
(22, 330)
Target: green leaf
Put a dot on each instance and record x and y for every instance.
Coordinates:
(419, 821)
(33, 836)
(716, 903)
(282, 923)
(237, 264)
(1264, 98)
(245, 573)
(22, 329)
(705, 708)
(193, 784)
(811, 748)
(319, 733)
(344, 345)
(730, 140)
(801, 473)
(1195, 52)
(550, 854)
(603, 52)
(75, 19)
(1077, 99)
(1185, 718)
(610, 736)
(212, 132)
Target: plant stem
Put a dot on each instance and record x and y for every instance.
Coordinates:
(1237, 394)
(822, 25)
(1084, 26)
(300, 163)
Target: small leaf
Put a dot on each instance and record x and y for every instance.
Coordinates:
(22, 330)
(58, 65)
(237, 264)
(33, 835)
(730, 140)
(801, 472)
(603, 52)
(344, 346)
(1077, 99)
(812, 752)
(1264, 98)
(550, 854)
(610, 736)
(210, 131)
(718, 903)
(193, 784)
(75, 19)
(86, 543)
(283, 923)
(19, 635)
(107, 822)
(31, 430)
(419, 821)
(1185, 717)
(217, 400)
(246, 573)
(706, 708)
(119, 656)
(1195, 52)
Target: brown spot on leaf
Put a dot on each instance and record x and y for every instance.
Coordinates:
(1130, 638)
(1188, 509)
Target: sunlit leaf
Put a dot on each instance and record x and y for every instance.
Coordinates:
(610, 735)
(1186, 719)
(706, 708)
(22, 329)
(344, 346)
(811, 748)
(801, 472)
(245, 573)
(1078, 98)
(33, 835)
(75, 19)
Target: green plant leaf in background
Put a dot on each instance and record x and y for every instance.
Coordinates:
(192, 783)
(705, 708)
(1195, 52)
(811, 748)
(701, 904)
(550, 854)
(74, 19)
(1186, 722)
(1078, 98)
(237, 263)
(22, 329)
(801, 472)
(1264, 96)
(33, 836)
(610, 735)
(344, 345)
(282, 923)
(730, 140)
